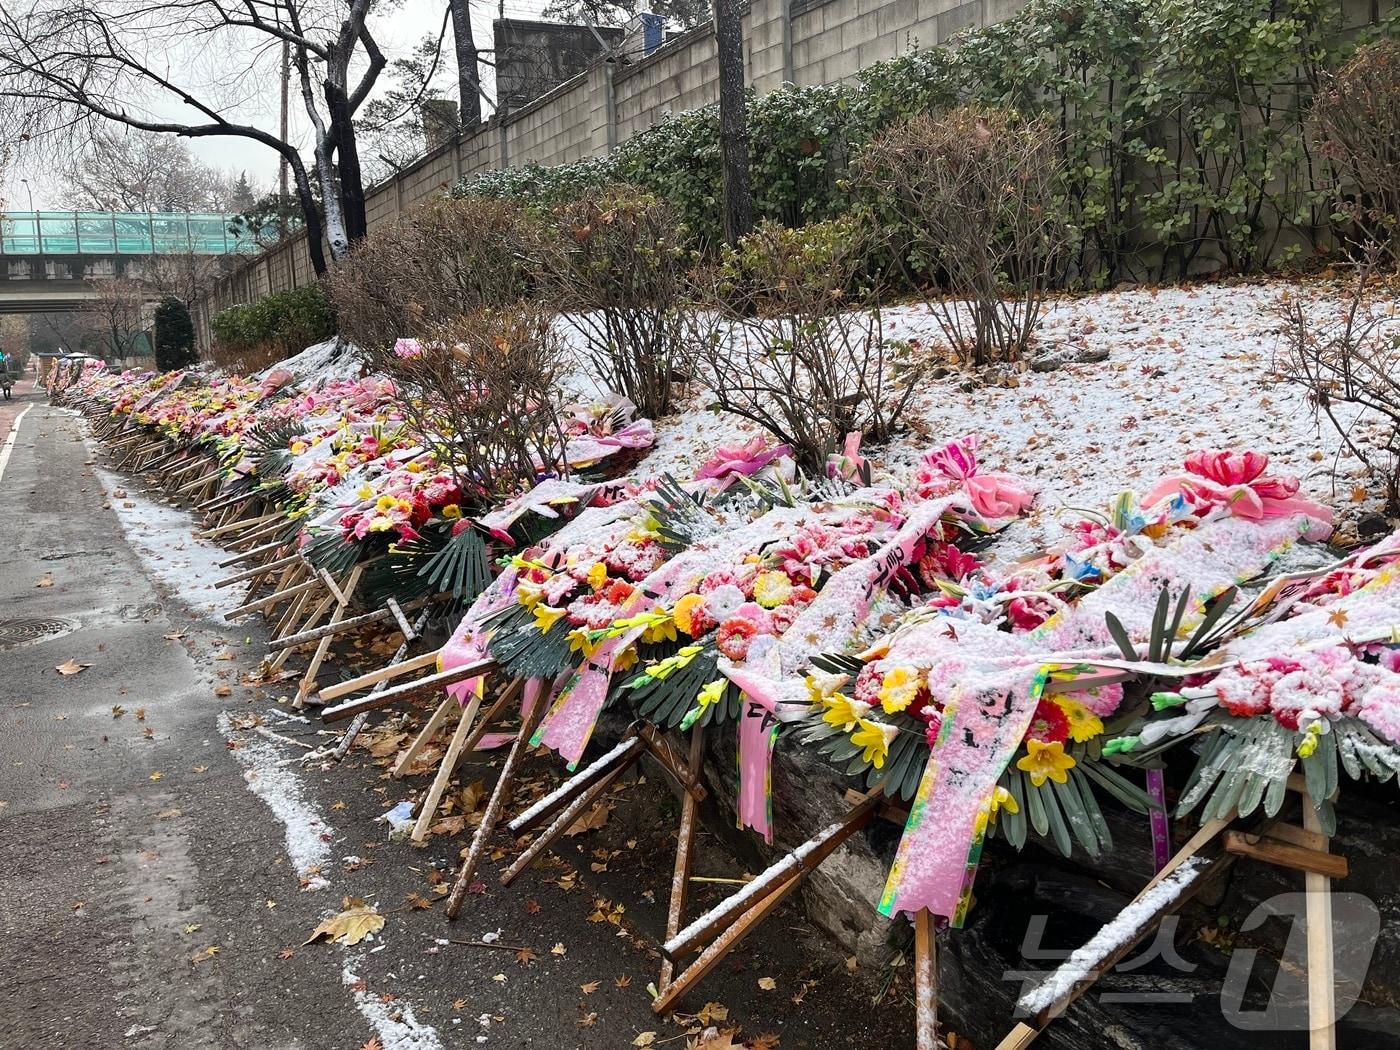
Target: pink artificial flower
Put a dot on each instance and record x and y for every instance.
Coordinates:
(1228, 468)
(408, 349)
(957, 459)
(747, 459)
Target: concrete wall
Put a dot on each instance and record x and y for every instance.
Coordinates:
(803, 42)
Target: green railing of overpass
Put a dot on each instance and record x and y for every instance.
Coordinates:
(120, 233)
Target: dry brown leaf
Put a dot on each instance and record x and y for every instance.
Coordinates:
(768, 1041)
(596, 817)
(47, 581)
(644, 1039)
(712, 1012)
(71, 666)
(525, 955)
(205, 954)
(224, 690)
(710, 1039)
(350, 926)
(558, 949)
(767, 983)
(589, 988)
(373, 1044)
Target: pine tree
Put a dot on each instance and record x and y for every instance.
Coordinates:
(174, 335)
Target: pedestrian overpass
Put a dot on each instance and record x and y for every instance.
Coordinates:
(50, 260)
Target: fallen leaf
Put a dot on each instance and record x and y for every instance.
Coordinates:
(205, 954)
(193, 927)
(525, 955)
(713, 1040)
(711, 1012)
(768, 1041)
(373, 1044)
(644, 1039)
(500, 978)
(71, 666)
(47, 581)
(224, 690)
(596, 817)
(286, 953)
(168, 814)
(558, 949)
(117, 709)
(589, 988)
(623, 981)
(201, 769)
(350, 926)
(767, 983)
(157, 775)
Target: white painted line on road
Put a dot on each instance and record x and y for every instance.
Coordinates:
(10, 441)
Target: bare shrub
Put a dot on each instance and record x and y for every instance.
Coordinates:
(482, 389)
(967, 202)
(1353, 358)
(614, 262)
(1358, 116)
(804, 354)
(421, 272)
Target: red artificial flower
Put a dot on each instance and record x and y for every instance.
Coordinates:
(734, 637)
(1049, 724)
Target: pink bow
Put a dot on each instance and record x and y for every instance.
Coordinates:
(1236, 481)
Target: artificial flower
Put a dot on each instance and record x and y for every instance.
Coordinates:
(1046, 762)
(874, 739)
(899, 688)
(1083, 724)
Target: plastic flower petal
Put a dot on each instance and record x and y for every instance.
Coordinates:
(899, 688)
(842, 712)
(874, 738)
(546, 617)
(1083, 723)
(1046, 761)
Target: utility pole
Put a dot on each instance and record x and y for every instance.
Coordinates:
(282, 170)
(733, 130)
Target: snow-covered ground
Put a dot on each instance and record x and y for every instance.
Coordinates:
(1188, 368)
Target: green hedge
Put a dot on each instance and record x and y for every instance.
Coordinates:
(1185, 131)
(288, 321)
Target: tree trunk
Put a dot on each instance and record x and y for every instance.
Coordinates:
(311, 217)
(352, 187)
(733, 130)
(468, 68)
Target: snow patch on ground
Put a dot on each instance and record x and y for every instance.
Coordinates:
(272, 780)
(319, 364)
(393, 1023)
(163, 537)
(1188, 368)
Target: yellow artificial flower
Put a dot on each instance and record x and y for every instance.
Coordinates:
(364, 492)
(771, 589)
(821, 684)
(380, 524)
(842, 712)
(987, 813)
(625, 660)
(1311, 736)
(579, 643)
(1083, 723)
(898, 689)
(298, 447)
(414, 467)
(661, 629)
(545, 616)
(384, 504)
(597, 576)
(663, 669)
(874, 738)
(1046, 761)
(709, 694)
(529, 594)
(684, 612)
(451, 512)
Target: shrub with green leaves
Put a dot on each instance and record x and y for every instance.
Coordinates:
(275, 326)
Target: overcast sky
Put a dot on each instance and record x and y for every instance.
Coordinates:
(252, 93)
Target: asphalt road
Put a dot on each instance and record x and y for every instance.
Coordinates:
(131, 845)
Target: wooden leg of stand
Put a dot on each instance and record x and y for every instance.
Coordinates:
(413, 750)
(322, 607)
(1322, 989)
(444, 773)
(308, 680)
(492, 815)
(685, 838)
(571, 813)
(925, 982)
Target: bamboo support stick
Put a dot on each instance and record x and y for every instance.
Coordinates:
(389, 696)
(449, 762)
(257, 570)
(581, 804)
(492, 815)
(1322, 981)
(381, 674)
(925, 982)
(358, 723)
(685, 839)
(308, 681)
